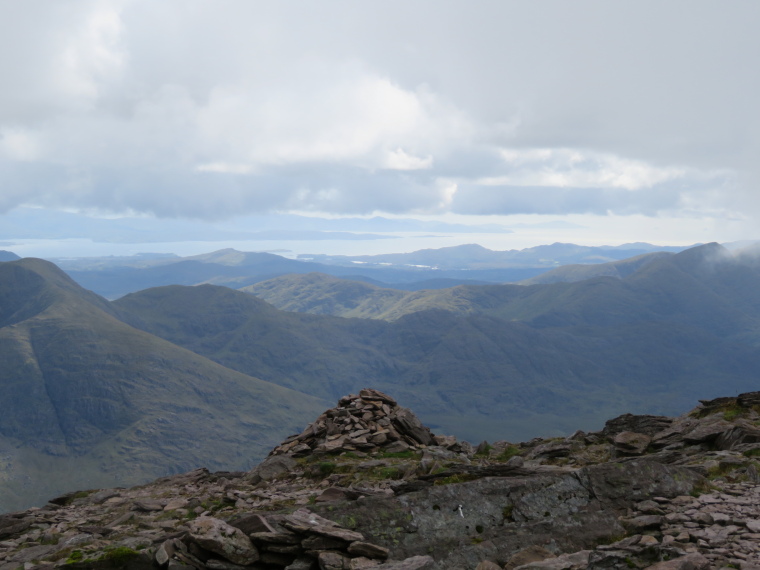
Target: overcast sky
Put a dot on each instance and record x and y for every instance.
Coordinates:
(619, 115)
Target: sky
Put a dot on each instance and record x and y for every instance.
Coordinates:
(590, 122)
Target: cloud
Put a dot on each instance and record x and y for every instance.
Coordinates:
(214, 109)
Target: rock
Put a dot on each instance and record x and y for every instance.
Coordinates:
(693, 561)
(551, 450)
(274, 538)
(361, 562)
(617, 484)
(368, 550)
(408, 424)
(227, 541)
(742, 433)
(323, 543)
(175, 504)
(707, 431)
(645, 424)
(754, 526)
(413, 563)
(573, 561)
(631, 443)
(100, 497)
(333, 561)
(331, 494)
(165, 552)
(376, 395)
(148, 505)
(301, 563)
(252, 523)
(533, 553)
(642, 523)
(337, 532)
(271, 467)
(397, 447)
(366, 422)
(487, 565)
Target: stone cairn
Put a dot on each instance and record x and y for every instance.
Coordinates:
(365, 423)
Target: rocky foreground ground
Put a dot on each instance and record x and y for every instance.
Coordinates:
(368, 486)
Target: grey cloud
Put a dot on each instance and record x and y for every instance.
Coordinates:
(553, 200)
(671, 84)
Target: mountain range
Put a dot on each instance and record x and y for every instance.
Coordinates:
(113, 277)
(118, 391)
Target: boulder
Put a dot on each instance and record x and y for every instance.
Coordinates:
(410, 425)
(368, 550)
(631, 443)
(223, 539)
(333, 561)
(272, 467)
(533, 553)
(646, 424)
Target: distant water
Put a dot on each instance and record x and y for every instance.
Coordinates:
(396, 243)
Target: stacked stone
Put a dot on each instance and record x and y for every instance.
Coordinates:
(299, 541)
(365, 423)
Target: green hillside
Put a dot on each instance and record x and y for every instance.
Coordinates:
(81, 388)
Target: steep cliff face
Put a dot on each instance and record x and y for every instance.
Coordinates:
(367, 485)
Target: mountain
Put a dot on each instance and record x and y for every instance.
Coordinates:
(429, 268)
(508, 359)
(237, 269)
(97, 402)
(368, 485)
(707, 285)
(8, 256)
(581, 272)
(474, 257)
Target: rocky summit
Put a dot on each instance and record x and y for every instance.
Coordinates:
(366, 485)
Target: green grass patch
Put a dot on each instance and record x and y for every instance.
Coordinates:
(119, 554)
(508, 453)
(75, 556)
(408, 454)
(458, 478)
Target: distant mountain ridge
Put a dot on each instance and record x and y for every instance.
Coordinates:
(474, 256)
(8, 256)
(434, 268)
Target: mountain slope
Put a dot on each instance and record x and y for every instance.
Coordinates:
(321, 294)
(580, 272)
(705, 286)
(519, 361)
(77, 383)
